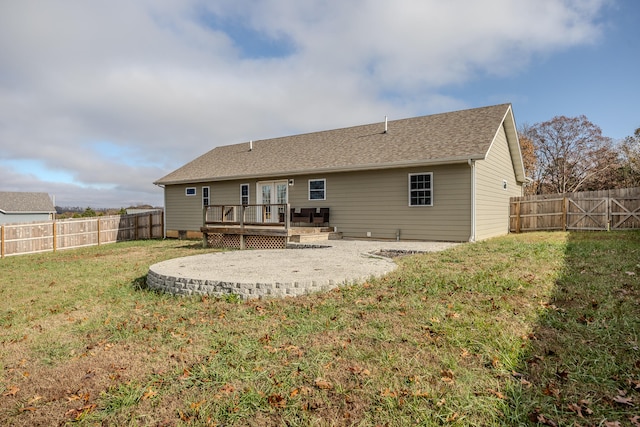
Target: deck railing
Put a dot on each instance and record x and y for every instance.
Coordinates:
(273, 215)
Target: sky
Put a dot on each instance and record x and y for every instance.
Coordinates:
(99, 99)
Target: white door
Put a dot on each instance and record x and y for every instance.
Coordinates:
(272, 193)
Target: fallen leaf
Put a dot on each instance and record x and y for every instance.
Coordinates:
(537, 417)
(635, 420)
(447, 376)
(277, 401)
(150, 393)
(28, 408)
(227, 388)
(34, 399)
(323, 384)
(495, 362)
(623, 400)
(196, 405)
(575, 408)
(11, 391)
(551, 390)
(294, 392)
(497, 394)
(612, 424)
(388, 393)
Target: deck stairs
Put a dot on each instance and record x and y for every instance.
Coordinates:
(312, 234)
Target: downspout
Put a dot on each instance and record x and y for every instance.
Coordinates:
(164, 211)
(472, 165)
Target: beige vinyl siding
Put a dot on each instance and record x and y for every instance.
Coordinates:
(378, 202)
(492, 201)
(360, 202)
(184, 212)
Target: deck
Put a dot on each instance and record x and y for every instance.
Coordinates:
(257, 227)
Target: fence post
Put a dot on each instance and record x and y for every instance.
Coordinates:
(150, 226)
(55, 236)
(2, 241)
(518, 216)
(565, 208)
(98, 218)
(609, 213)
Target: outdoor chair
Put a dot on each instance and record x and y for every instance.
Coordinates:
(321, 217)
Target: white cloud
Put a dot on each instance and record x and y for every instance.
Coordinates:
(165, 80)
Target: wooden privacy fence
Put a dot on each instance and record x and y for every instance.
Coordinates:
(17, 239)
(592, 210)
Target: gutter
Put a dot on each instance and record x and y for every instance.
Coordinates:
(277, 174)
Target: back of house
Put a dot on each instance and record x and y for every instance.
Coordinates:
(444, 177)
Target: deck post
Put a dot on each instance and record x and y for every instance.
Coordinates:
(242, 211)
(287, 217)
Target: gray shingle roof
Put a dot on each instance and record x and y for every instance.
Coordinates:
(439, 138)
(14, 202)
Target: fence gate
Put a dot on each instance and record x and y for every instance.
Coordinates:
(589, 210)
(625, 212)
(588, 214)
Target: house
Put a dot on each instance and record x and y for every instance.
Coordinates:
(19, 207)
(444, 177)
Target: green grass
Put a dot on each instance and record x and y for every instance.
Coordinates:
(528, 328)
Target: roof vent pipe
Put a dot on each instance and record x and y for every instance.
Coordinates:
(385, 124)
(251, 145)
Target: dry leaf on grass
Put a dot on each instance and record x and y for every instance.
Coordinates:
(277, 401)
(11, 391)
(447, 376)
(149, 393)
(623, 400)
(323, 384)
(537, 417)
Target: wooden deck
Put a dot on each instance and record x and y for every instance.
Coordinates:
(256, 227)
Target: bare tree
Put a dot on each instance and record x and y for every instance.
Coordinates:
(630, 170)
(571, 155)
(529, 160)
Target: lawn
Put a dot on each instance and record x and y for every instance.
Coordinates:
(528, 329)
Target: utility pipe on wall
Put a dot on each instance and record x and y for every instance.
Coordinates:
(472, 165)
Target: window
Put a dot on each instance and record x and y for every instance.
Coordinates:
(244, 194)
(190, 191)
(317, 189)
(421, 189)
(205, 196)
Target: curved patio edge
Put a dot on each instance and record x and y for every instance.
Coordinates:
(279, 273)
(183, 286)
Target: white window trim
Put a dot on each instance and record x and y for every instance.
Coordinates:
(248, 193)
(324, 180)
(194, 189)
(409, 189)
